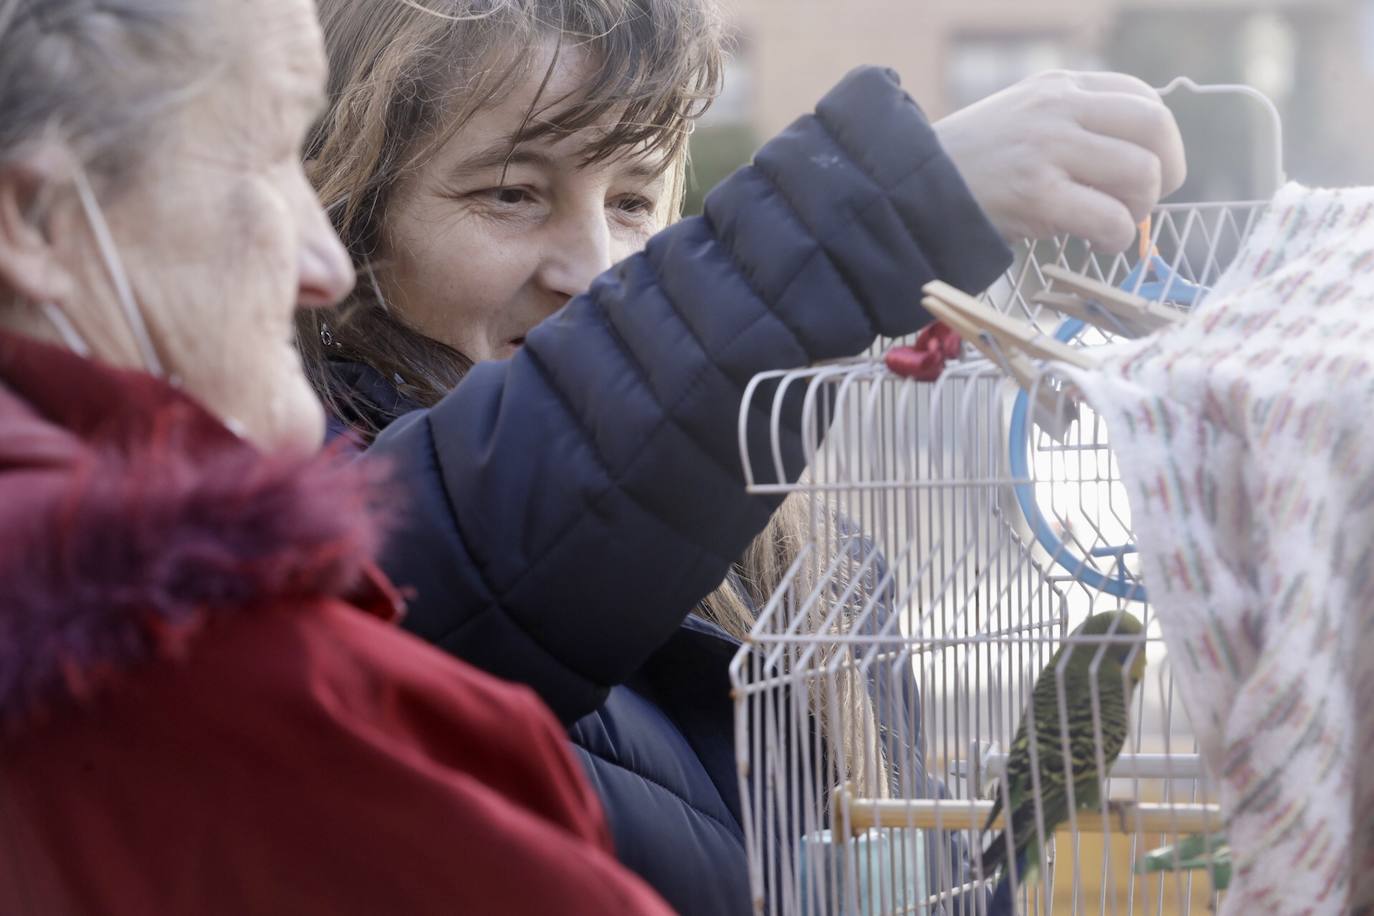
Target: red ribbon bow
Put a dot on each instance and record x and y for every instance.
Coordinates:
(925, 360)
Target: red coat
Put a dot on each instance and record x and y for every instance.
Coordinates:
(197, 721)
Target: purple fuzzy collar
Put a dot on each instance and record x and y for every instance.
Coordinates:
(130, 519)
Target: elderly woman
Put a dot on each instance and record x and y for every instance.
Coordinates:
(206, 708)
(576, 517)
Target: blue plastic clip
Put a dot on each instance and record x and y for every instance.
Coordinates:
(1168, 287)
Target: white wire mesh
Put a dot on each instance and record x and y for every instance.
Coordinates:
(954, 546)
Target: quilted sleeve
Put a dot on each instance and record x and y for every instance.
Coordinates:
(569, 506)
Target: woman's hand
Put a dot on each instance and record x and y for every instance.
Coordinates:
(1087, 154)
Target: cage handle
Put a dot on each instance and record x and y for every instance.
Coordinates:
(1271, 111)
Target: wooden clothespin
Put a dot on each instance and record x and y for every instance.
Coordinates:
(988, 343)
(1074, 306)
(987, 325)
(1105, 306)
(1012, 344)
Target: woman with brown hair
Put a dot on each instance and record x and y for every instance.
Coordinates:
(576, 518)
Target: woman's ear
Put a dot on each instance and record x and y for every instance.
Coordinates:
(29, 264)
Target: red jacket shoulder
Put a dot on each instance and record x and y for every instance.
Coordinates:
(312, 760)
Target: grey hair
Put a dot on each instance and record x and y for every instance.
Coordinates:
(97, 74)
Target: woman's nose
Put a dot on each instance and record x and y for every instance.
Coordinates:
(579, 252)
(325, 273)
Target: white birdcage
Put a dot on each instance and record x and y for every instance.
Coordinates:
(960, 530)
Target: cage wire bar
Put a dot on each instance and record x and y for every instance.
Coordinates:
(952, 550)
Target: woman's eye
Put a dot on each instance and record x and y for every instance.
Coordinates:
(509, 196)
(635, 204)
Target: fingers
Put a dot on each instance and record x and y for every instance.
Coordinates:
(1122, 106)
(1113, 82)
(1090, 214)
(1145, 122)
(1086, 154)
(1124, 171)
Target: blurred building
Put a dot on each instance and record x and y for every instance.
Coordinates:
(1315, 58)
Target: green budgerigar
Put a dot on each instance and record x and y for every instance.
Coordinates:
(1107, 669)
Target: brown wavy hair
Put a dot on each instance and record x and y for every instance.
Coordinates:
(406, 76)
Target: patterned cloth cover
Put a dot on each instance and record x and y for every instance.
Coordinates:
(1245, 438)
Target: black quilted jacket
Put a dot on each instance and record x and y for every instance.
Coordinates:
(569, 507)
